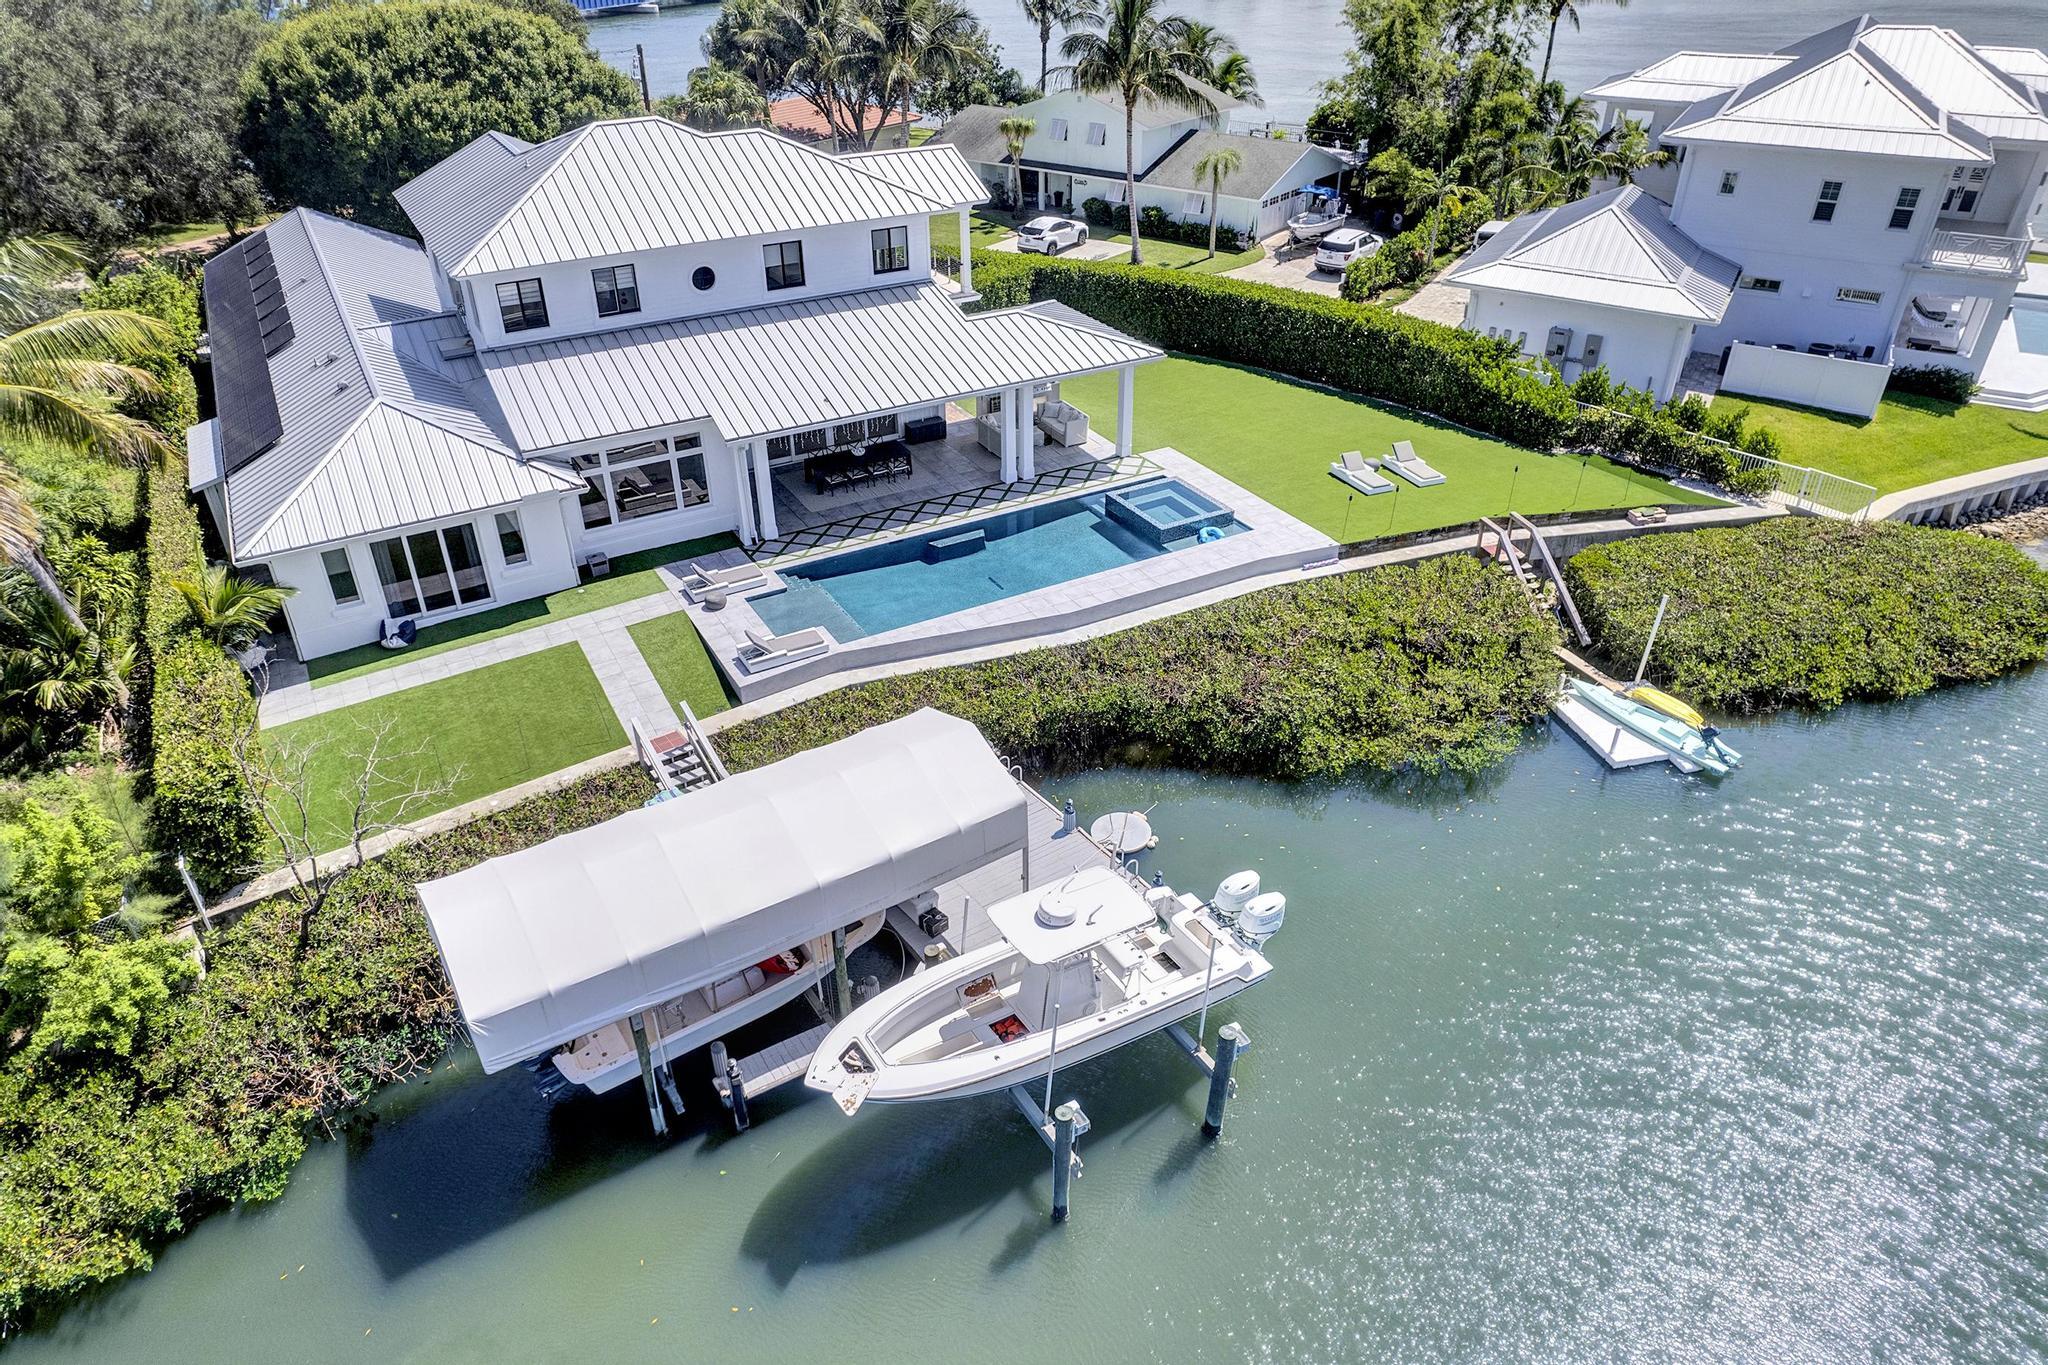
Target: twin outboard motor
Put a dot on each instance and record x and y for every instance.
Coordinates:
(1255, 915)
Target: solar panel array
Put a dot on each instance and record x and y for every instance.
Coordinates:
(246, 323)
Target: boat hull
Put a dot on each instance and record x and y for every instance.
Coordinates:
(1671, 735)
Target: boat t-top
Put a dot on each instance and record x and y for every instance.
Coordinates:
(1321, 215)
(1082, 965)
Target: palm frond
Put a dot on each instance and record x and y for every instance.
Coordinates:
(84, 334)
(77, 420)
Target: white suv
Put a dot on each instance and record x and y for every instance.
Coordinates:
(1340, 248)
(1051, 235)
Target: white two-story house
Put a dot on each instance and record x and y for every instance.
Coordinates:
(1075, 153)
(1862, 198)
(605, 343)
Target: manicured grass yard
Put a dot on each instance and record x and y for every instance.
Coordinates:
(632, 576)
(1912, 440)
(986, 228)
(490, 728)
(1277, 437)
(676, 656)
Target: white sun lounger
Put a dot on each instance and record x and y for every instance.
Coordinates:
(782, 649)
(736, 578)
(1351, 469)
(1410, 466)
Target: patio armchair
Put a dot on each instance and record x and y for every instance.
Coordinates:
(782, 649)
(1410, 466)
(1354, 471)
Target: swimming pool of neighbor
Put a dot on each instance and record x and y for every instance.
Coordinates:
(868, 591)
(2030, 325)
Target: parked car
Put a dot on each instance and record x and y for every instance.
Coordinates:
(1342, 247)
(1934, 324)
(1051, 235)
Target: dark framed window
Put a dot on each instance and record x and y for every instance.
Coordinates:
(892, 249)
(785, 261)
(1830, 195)
(511, 538)
(703, 277)
(617, 290)
(522, 305)
(1728, 179)
(341, 577)
(1902, 211)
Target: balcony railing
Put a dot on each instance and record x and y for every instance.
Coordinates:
(1974, 253)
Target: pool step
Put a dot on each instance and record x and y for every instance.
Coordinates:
(810, 603)
(955, 546)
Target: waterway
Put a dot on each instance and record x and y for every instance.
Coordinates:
(1564, 1065)
(1295, 45)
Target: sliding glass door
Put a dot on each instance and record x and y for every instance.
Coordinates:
(430, 571)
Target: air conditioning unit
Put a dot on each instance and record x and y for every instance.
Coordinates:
(454, 348)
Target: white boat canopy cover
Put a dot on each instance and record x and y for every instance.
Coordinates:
(549, 943)
(1052, 922)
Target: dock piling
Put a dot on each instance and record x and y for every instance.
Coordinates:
(737, 1085)
(1064, 1121)
(842, 989)
(638, 1024)
(1231, 1041)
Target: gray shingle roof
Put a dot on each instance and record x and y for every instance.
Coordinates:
(1618, 249)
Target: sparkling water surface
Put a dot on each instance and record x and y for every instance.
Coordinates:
(1563, 1065)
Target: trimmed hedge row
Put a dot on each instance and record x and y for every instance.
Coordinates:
(199, 709)
(1475, 381)
(1155, 226)
(1407, 257)
(1814, 612)
(1945, 382)
(1435, 666)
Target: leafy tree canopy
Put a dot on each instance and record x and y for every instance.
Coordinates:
(119, 115)
(93, 996)
(62, 868)
(718, 98)
(342, 106)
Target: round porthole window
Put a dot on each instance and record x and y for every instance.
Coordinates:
(704, 277)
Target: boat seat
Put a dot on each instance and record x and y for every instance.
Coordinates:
(734, 989)
(1123, 955)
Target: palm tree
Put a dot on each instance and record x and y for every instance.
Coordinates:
(233, 611)
(1573, 155)
(1015, 131)
(1219, 63)
(1048, 15)
(60, 374)
(54, 674)
(1563, 9)
(1217, 167)
(1134, 52)
(922, 40)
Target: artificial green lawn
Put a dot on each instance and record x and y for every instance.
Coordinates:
(675, 654)
(1912, 440)
(1277, 437)
(487, 729)
(632, 576)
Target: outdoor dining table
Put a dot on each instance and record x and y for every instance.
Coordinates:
(845, 468)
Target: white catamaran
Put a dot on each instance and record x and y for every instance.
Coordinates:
(1082, 966)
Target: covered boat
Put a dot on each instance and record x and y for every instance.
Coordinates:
(1322, 215)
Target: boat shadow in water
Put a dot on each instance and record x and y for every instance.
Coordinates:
(901, 1172)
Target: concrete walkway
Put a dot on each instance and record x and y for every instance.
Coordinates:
(601, 634)
(1437, 302)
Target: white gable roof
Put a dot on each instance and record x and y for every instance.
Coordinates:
(2027, 65)
(936, 170)
(787, 367)
(1687, 77)
(1957, 78)
(1618, 249)
(626, 185)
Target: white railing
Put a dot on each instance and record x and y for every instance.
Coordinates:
(701, 742)
(1977, 253)
(1797, 485)
(643, 749)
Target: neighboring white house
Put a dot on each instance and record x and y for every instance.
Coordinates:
(1076, 153)
(1877, 185)
(604, 344)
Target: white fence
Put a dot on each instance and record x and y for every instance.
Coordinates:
(1815, 381)
(1795, 485)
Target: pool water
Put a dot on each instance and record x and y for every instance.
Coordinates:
(2030, 325)
(865, 592)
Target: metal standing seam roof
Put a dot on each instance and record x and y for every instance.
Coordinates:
(1618, 249)
(787, 367)
(377, 432)
(551, 942)
(1687, 77)
(1268, 162)
(626, 185)
(936, 171)
(1958, 79)
(2027, 65)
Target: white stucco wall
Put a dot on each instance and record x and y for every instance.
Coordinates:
(1638, 349)
(837, 260)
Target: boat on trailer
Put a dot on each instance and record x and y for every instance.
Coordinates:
(1323, 215)
(606, 1058)
(1082, 966)
(1691, 747)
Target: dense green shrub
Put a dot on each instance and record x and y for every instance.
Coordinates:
(1155, 226)
(1935, 381)
(1436, 665)
(149, 288)
(100, 1160)
(1814, 612)
(1406, 258)
(200, 709)
(1098, 211)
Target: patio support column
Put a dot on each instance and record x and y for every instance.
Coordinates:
(748, 533)
(1027, 452)
(966, 254)
(1006, 426)
(764, 489)
(1126, 395)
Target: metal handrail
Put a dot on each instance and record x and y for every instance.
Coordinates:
(643, 749)
(1978, 251)
(1804, 485)
(701, 742)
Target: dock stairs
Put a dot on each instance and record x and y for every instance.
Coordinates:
(1534, 567)
(678, 760)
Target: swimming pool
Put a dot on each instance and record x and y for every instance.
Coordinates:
(868, 591)
(2030, 325)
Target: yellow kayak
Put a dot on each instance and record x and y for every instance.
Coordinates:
(1668, 704)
